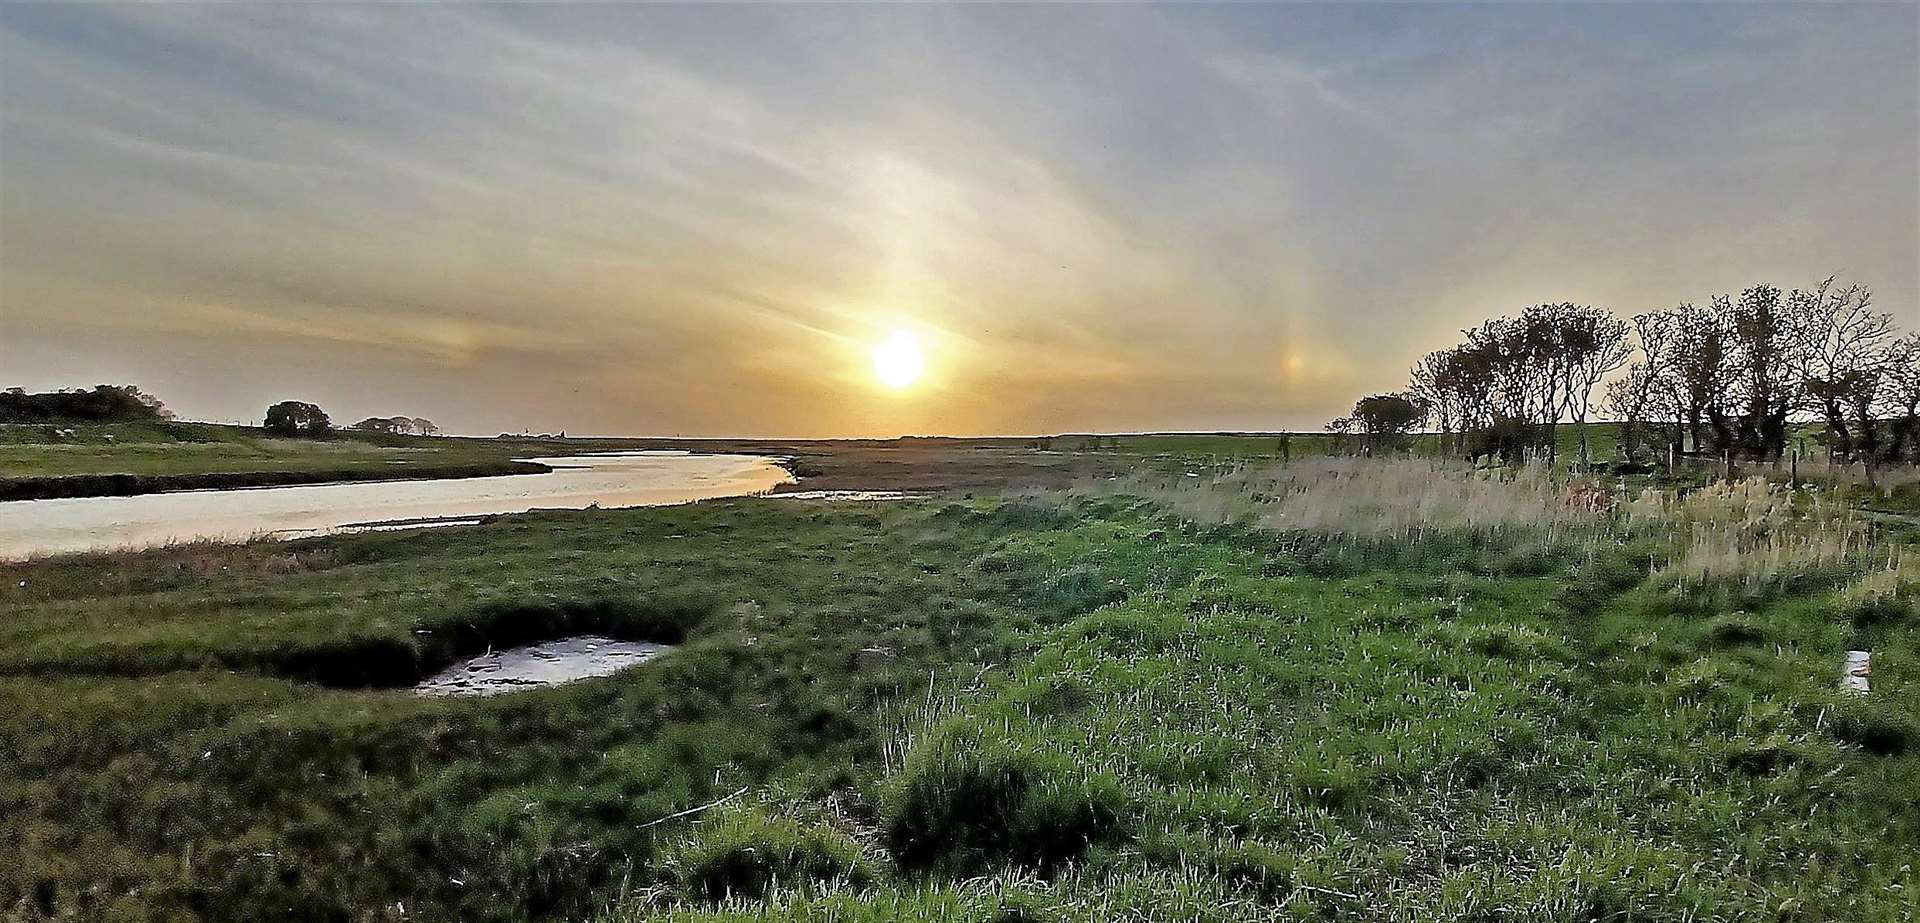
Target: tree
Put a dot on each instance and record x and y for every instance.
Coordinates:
(1844, 352)
(1902, 410)
(298, 418)
(1764, 340)
(1702, 373)
(1634, 400)
(1594, 345)
(408, 426)
(1341, 428)
(1385, 420)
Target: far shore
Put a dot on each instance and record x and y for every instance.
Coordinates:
(128, 485)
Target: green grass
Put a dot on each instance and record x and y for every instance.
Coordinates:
(163, 745)
(1086, 709)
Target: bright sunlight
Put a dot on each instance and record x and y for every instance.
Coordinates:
(898, 361)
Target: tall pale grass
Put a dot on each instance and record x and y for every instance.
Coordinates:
(1750, 531)
(1398, 498)
(1753, 531)
(1898, 578)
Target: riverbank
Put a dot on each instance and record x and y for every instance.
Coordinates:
(41, 462)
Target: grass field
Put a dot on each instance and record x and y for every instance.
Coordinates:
(1340, 689)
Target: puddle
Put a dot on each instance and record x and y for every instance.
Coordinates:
(549, 663)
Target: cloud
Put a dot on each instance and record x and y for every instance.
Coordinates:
(657, 219)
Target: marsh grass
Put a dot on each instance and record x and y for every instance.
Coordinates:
(1356, 690)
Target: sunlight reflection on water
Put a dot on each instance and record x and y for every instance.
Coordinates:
(29, 527)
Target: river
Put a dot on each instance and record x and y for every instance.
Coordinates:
(33, 527)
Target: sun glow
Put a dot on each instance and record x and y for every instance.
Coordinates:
(898, 360)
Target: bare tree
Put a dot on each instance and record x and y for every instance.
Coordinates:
(1902, 399)
(1843, 353)
(1632, 399)
(1593, 344)
(1765, 380)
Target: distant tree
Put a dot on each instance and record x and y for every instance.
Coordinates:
(1726, 379)
(1341, 429)
(298, 418)
(406, 426)
(1384, 420)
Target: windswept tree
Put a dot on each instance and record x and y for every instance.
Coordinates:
(1384, 420)
(1901, 399)
(1542, 366)
(1641, 396)
(1845, 349)
(298, 418)
(1593, 344)
(1765, 382)
(1702, 374)
(1727, 379)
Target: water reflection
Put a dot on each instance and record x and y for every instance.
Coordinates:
(546, 664)
(30, 527)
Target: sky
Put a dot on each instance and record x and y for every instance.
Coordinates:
(701, 220)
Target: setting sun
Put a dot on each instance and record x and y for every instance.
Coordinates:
(898, 361)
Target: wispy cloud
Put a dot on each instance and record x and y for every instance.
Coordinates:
(678, 219)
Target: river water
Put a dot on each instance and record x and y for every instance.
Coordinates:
(32, 527)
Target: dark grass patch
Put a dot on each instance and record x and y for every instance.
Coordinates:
(1763, 757)
(1875, 729)
(964, 806)
(1735, 630)
(745, 853)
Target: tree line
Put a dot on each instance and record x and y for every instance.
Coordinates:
(300, 418)
(403, 426)
(1728, 379)
(99, 404)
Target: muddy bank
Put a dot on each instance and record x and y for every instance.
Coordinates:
(70, 486)
(927, 465)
